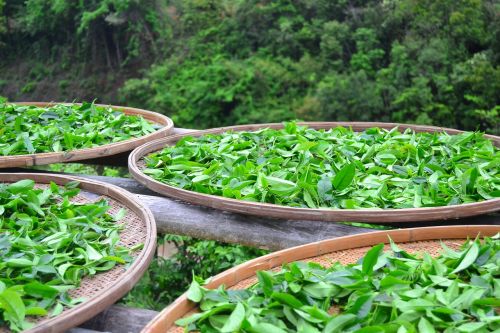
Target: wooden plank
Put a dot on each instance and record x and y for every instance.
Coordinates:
(180, 218)
(83, 330)
(117, 160)
(178, 130)
(176, 217)
(493, 219)
(119, 319)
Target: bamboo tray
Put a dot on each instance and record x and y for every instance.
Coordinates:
(344, 249)
(136, 165)
(96, 152)
(104, 289)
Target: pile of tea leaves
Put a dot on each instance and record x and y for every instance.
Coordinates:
(458, 291)
(336, 168)
(33, 129)
(48, 244)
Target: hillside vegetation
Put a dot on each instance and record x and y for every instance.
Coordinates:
(212, 63)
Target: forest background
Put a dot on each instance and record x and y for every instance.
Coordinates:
(212, 63)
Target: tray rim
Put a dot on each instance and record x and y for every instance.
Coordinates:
(296, 213)
(95, 152)
(163, 321)
(106, 297)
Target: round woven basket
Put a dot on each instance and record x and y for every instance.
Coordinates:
(103, 289)
(344, 249)
(96, 152)
(136, 165)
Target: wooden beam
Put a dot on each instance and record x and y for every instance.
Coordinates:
(84, 330)
(175, 217)
(118, 319)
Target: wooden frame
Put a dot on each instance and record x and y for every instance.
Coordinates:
(89, 153)
(182, 306)
(106, 297)
(284, 212)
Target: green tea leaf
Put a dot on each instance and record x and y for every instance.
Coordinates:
(424, 326)
(287, 299)
(36, 288)
(362, 306)
(371, 258)
(470, 327)
(64, 127)
(13, 305)
(344, 177)
(397, 292)
(266, 327)
(235, 319)
(338, 323)
(335, 168)
(468, 259)
(195, 293)
(21, 186)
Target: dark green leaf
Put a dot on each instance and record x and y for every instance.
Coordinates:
(468, 259)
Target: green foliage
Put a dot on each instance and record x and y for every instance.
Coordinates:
(167, 279)
(111, 32)
(28, 87)
(80, 240)
(3, 23)
(458, 291)
(228, 91)
(336, 168)
(431, 62)
(219, 62)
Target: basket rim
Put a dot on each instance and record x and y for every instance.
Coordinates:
(165, 320)
(106, 297)
(299, 213)
(95, 152)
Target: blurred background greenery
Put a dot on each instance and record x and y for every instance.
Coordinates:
(209, 63)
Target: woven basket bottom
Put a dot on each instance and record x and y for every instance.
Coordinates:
(351, 256)
(133, 233)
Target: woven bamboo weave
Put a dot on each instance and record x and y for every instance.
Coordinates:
(344, 249)
(105, 288)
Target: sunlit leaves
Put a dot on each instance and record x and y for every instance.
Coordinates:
(31, 129)
(383, 292)
(336, 168)
(47, 245)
